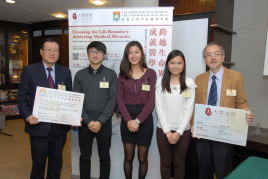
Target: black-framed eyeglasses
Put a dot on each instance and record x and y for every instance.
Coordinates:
(92, 53)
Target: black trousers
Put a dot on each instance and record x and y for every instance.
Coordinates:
(103, 138)
(213, 155)
(49, 147)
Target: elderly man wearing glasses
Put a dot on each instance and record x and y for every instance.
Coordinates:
(99, 84)
(212, 88)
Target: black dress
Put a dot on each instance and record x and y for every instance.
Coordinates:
(144, 135)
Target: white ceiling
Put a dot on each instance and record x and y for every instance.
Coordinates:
(45, 9)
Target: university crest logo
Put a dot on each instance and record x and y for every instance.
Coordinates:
(42, 92)
(116, 16)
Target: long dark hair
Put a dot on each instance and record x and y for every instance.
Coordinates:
(125, 65)
(167, 74)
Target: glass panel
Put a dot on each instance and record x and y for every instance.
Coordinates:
(66, 30)
(18, 54)
(53, 31)
(37, 33)
(2, 58)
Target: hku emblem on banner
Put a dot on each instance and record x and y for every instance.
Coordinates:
(116, 16)
(42, 92)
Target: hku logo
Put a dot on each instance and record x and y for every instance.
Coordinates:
(42, 92)
(116, 16)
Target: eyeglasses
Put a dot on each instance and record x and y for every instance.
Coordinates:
(216, 54)
(51, 50)
(92, 53)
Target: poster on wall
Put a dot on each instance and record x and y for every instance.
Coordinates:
(116, 27)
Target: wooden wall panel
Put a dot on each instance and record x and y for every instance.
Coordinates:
(65, 50)
(179, 7)
(189, 6)
(37, 41)
(169, 3)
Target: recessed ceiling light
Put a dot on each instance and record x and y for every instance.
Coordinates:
(10, 1)
(24, 32)
(98, 2)
(59, 15)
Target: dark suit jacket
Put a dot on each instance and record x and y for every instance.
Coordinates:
(229, 78)
(32, 76)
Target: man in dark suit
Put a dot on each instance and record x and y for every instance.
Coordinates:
(212, 89)
(47, 139)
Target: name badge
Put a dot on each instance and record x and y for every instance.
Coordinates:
(186, 94)
(104, 84)
(230, 92)
(145, 87)
(61, 87)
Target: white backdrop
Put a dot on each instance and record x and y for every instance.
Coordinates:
(115, 27)
(190, 36)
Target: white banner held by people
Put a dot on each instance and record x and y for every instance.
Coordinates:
(221, 124)
(57, 106)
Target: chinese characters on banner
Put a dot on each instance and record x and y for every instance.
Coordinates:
(152, 27)
(158, 48)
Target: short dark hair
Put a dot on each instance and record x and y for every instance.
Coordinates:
(167, 73)
(49, 40)
(97, 45)
(125, 65)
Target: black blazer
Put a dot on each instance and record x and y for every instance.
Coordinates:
(32, 76)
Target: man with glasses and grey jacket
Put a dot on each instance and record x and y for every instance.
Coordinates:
(99, 84)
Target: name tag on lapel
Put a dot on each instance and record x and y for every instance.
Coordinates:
(104, 84)
(230, 92)
(61, 87)
(145, 87)
(186, 94)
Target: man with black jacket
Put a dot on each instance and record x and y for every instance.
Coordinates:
(47, 139)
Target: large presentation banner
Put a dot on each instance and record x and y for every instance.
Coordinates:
(115, 27)
(152, 27)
